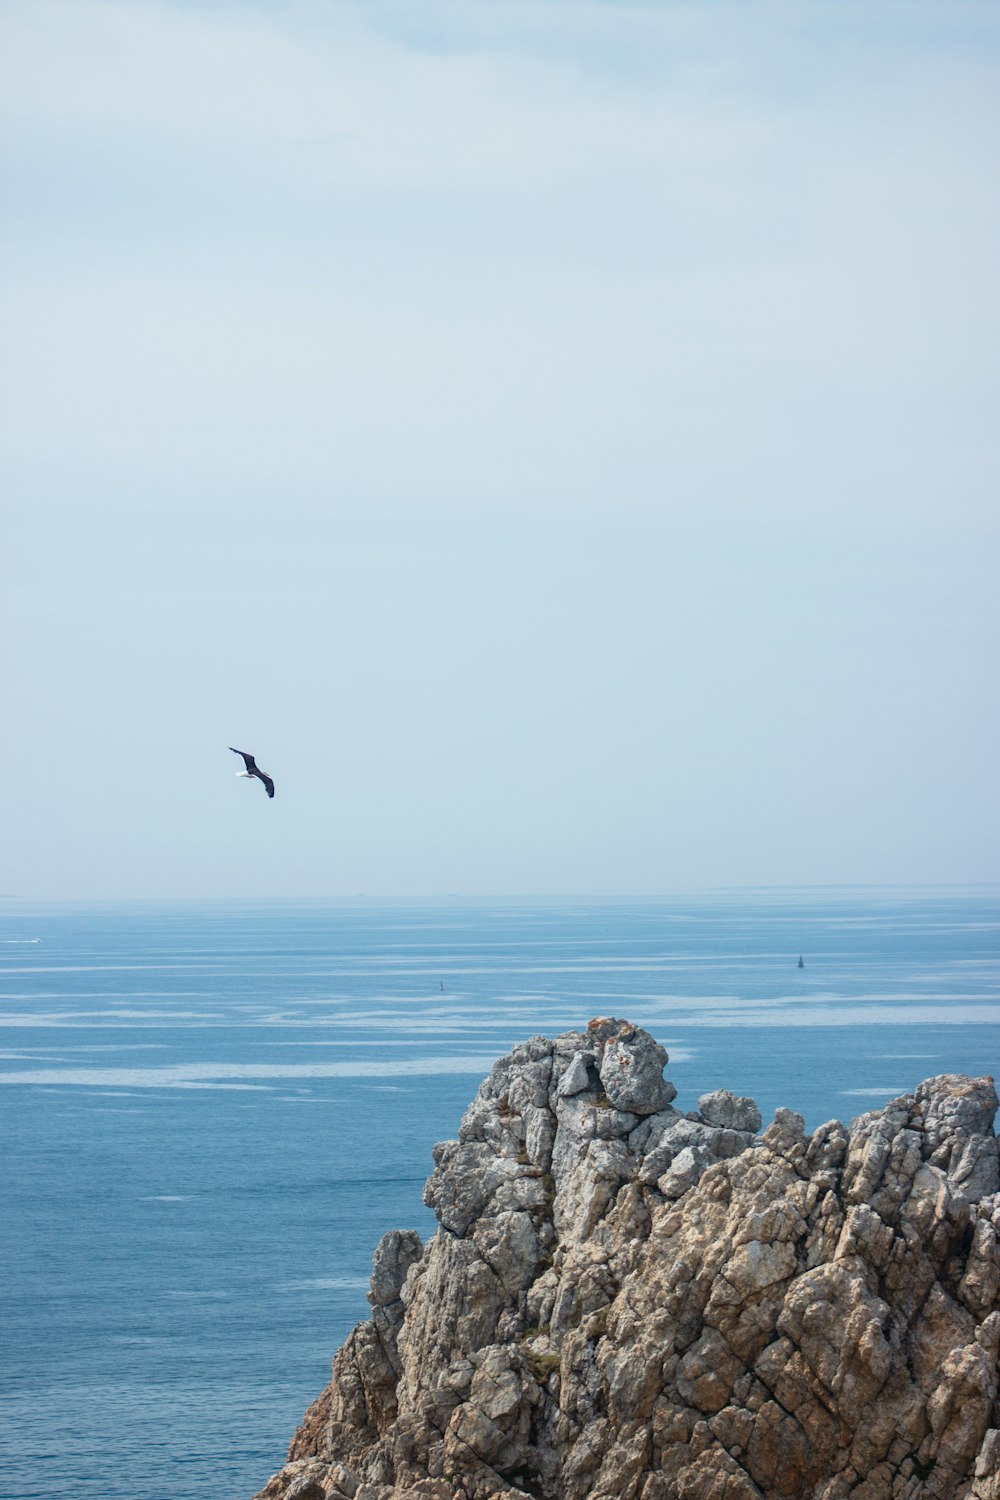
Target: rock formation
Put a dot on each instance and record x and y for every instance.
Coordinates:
(626, 1302)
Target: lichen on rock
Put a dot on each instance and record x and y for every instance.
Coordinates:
(626, 1302)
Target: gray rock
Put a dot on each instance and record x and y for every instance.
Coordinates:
(790, 1122)
(953, 1104)
(539, 1136)
(665, 1143)
(631, 1071)
(576, 1078)
(957, 1114)
(988, 1459)
(581, 1119)
(730, 1111)
(586, 1191)
(684, 1171)
(509, 1245)
(305, 1487)
(647, 1134)
(397, 1252)
(466, 1178)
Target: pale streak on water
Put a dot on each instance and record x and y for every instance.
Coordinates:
(184, 1246)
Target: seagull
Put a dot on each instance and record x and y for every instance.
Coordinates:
(252, 769)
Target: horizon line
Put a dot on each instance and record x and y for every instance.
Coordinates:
(376, 897)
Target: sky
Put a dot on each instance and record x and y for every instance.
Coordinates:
(559, 440)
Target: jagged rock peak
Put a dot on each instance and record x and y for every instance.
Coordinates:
(626, 1302)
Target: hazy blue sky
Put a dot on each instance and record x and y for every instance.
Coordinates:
(559, 439)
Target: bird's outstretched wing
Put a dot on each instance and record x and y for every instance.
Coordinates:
(248, 760)
(268, 783)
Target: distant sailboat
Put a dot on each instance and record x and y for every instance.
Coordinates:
(801, 963)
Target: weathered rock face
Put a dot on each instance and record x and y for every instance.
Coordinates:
(630, 1303)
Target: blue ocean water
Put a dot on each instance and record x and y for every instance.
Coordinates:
(212, 1113)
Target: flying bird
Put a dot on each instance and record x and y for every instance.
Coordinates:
(252, 769)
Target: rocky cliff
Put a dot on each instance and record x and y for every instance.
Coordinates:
(627, 1302)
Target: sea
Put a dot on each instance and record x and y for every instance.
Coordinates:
(211, 1113)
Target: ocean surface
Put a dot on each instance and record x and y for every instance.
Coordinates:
(212, 1113)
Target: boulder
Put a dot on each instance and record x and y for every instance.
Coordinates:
(729, 1111)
